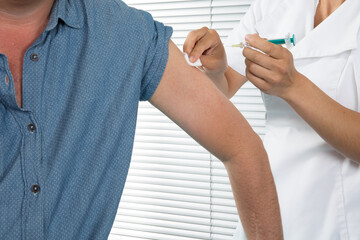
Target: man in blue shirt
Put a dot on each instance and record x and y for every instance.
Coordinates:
(71, 75)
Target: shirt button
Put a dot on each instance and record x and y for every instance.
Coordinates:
(34, 57)
(35, 188)
(31, 127)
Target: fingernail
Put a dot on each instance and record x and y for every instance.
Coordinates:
(248, 37)
(192, 59)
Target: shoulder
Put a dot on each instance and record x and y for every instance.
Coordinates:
(115, 19)
(103, 5)
(114, 12)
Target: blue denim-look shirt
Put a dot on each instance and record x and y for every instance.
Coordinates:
(64, 157)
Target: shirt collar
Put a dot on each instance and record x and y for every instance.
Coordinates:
(67, 11)
(336, 34)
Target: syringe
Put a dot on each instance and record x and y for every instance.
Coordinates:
(287, 40)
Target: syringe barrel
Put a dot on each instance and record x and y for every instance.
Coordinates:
(277, 41)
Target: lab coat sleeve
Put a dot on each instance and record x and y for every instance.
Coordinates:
(246, 26)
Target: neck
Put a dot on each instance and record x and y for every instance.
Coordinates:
(24, 12)
(329, 6)
(325, 9)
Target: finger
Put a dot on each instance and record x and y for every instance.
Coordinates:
(258, 70)
(210, 62)
(193, 37)
(258, 82)
(205, 45)
(273, 50)
(209, 51)
(259, 58)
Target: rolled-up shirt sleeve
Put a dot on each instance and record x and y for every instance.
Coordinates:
(156, 38)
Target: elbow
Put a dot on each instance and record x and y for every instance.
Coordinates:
(351, 151)
(356, 156)
(250, 156)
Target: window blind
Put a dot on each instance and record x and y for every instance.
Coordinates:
(175, 188)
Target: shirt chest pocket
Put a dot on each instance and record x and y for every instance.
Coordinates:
(325, 72)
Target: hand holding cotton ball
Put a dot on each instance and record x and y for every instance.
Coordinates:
(195, 64)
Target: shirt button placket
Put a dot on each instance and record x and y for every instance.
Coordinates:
(34, 188)
(32, 158)
(33, 73)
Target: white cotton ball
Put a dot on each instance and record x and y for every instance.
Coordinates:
(195, 64)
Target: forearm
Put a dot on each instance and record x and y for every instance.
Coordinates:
(235, 81)
(337, 125)
(221, 83)
(253, 188)
(229, 82)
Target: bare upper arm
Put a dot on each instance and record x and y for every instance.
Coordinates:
(191, 100)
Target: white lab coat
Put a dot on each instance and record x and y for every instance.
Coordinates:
(318, 188)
